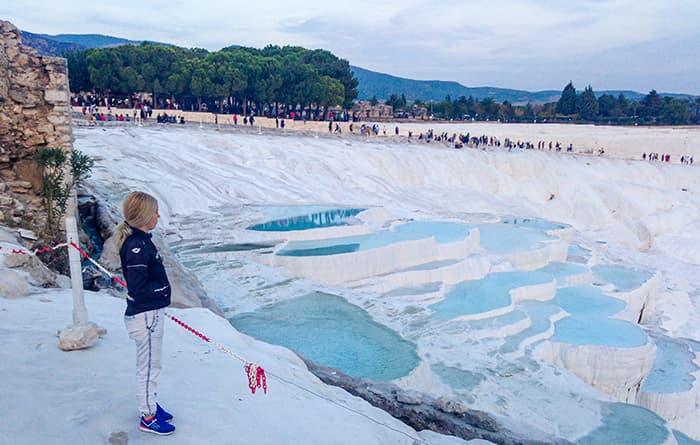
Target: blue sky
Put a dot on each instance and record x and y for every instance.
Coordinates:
(521, 44)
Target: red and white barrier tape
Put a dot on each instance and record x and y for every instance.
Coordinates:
(255, 374)
(98, 265)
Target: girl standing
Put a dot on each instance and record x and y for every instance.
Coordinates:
(148, 294)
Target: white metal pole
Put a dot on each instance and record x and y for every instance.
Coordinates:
(80, 315)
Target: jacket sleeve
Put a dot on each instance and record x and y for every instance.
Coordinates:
(138, 259)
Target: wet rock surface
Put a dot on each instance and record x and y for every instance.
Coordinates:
(423, 412)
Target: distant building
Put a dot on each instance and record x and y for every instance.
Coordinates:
(363, 110)
(419, 113)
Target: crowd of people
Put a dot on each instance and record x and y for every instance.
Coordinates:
(483, 141)
(686, 159)
(94, 115)
(169, 119)
(454, 140)
(656, 157)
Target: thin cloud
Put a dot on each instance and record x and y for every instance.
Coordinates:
(524, 44)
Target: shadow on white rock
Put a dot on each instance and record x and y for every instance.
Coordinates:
(12, 284)
(39, 274)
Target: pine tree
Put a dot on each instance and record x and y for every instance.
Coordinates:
(623, 105)
(675, 111)
(607, 106)
(587, 104)
(652, 105)
(567, 102)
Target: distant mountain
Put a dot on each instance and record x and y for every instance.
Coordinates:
(372, 84)
(56, 45)
(48, 47)
(89, 40)
(384, 85)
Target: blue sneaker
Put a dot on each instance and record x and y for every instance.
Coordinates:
(156, 426)
(163, 414)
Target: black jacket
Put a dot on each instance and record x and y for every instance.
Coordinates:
(143, 270)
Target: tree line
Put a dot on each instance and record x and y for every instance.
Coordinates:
(572, 106)
(234, 78)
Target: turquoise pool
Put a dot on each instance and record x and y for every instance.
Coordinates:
(596, 331)
(335, 246)
(623, 278)
(484, 295)
(539, 314)
(459, 379)
(682, 439)
(589, 324)
(672, 367)
(563, 270)
(305, 218)
(509, 238)
(587, 301)
(578, 254)
(625, 424)
(491, 323)
(332, 332)
(443, 231)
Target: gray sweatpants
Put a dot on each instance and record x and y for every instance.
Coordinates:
(146, 329)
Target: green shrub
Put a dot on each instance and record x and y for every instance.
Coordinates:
(55, 189)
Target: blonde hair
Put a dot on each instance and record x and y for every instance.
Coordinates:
(139, 208)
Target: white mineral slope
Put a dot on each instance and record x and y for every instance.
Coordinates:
(203, 169)
(88, 396)
(209, 183)
(616, 371)
(608, 199)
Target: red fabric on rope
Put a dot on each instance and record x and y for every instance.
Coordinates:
(256, 377)
(255, 373)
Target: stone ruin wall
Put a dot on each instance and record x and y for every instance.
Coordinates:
(34, 114)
